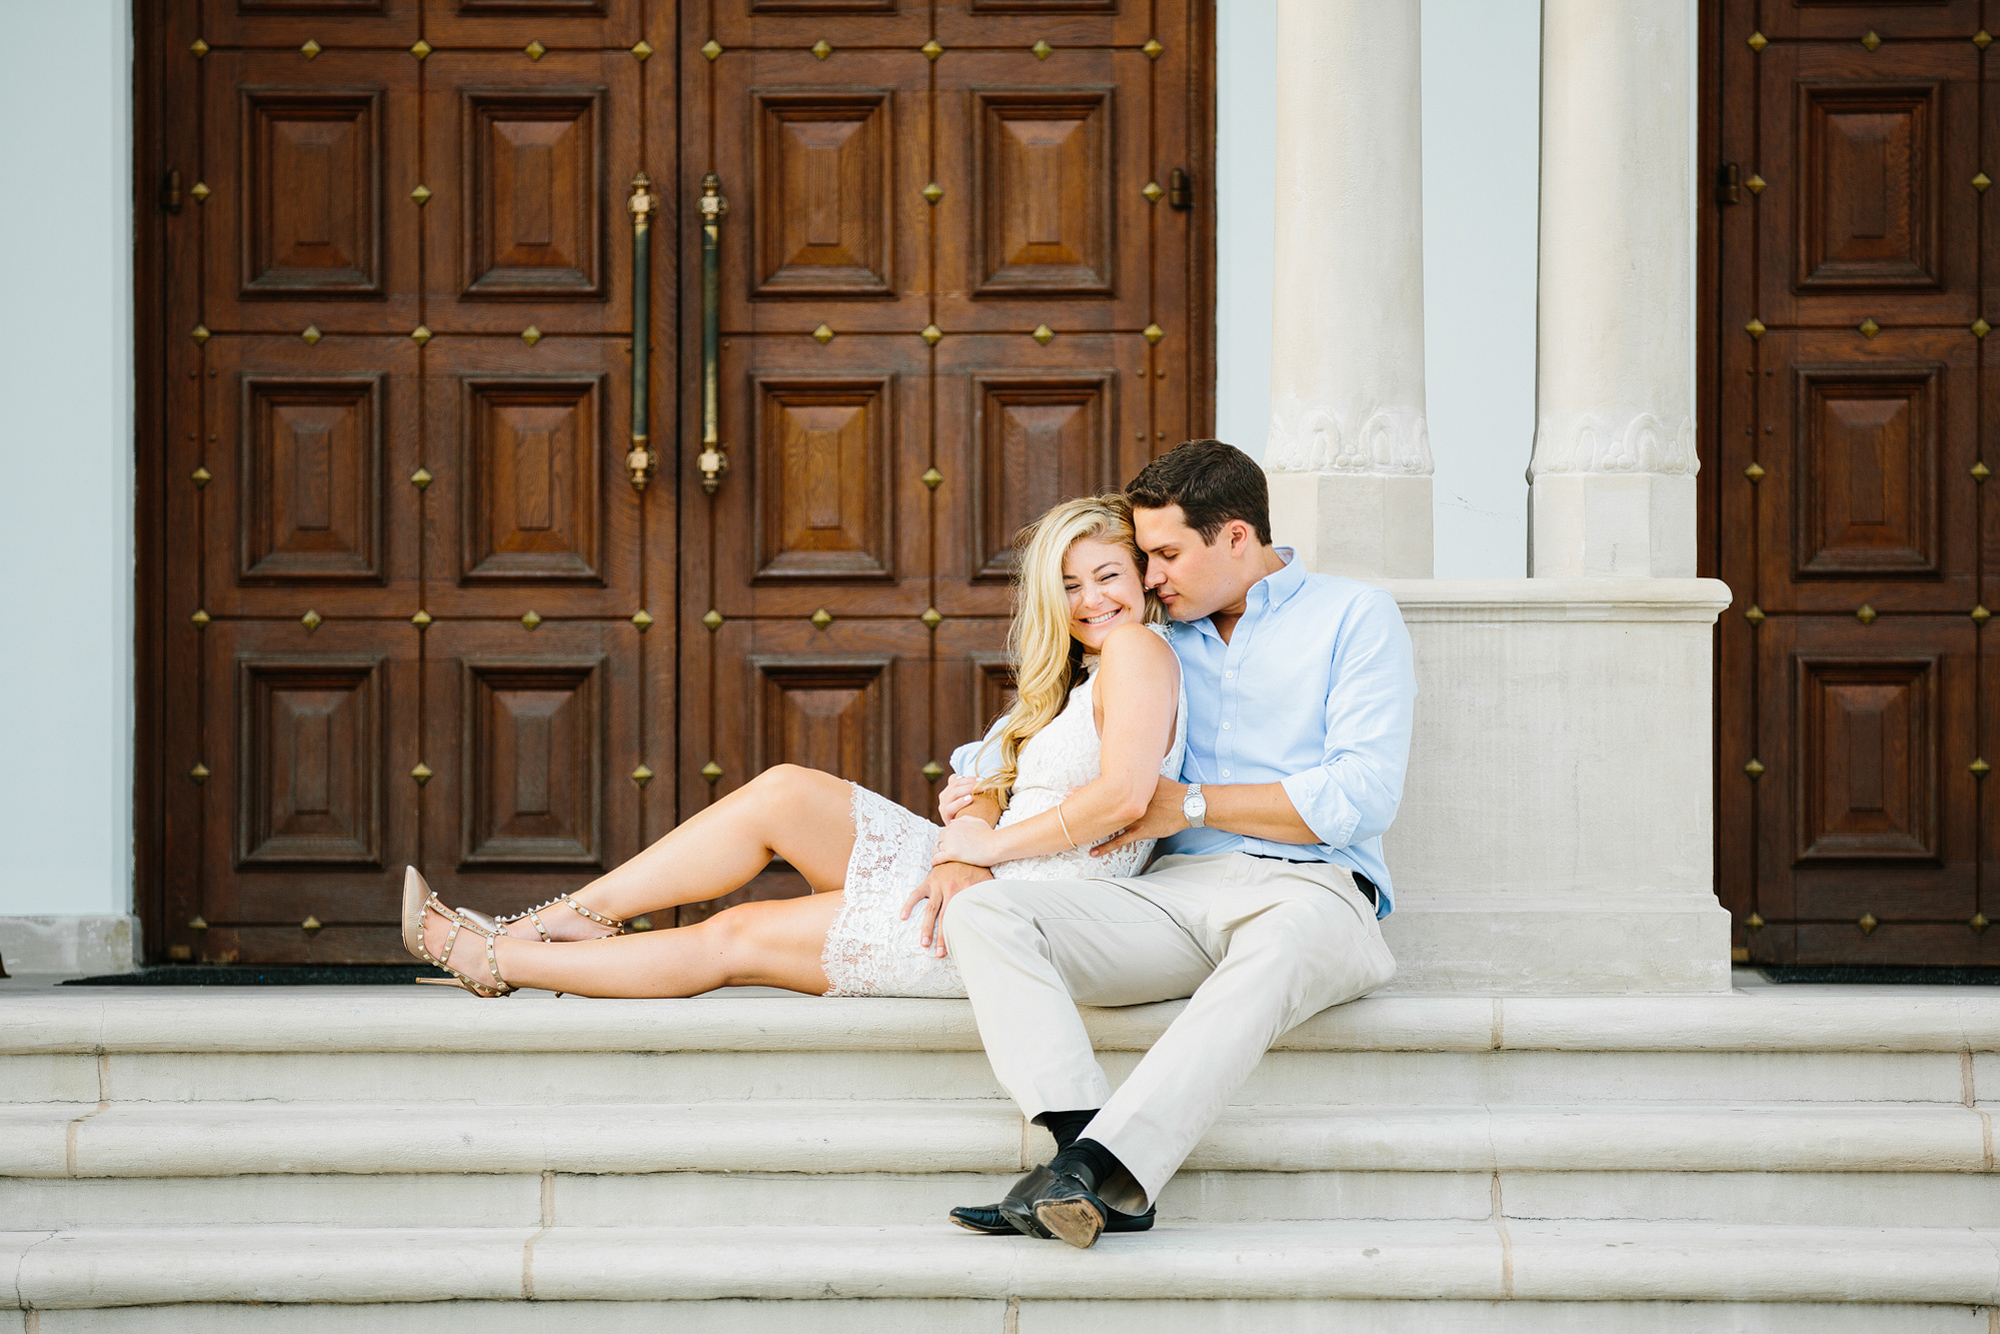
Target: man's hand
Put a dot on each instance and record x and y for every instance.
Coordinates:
(939, 888)
(1163, 817)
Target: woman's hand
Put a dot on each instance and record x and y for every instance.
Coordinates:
(957, 794)
(968, 839)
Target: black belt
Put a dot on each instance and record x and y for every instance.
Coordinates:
(1361, 882)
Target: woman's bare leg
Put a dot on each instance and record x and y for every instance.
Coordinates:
(800, 814)
(776, 943)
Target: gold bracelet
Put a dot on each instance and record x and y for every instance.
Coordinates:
(1065, 825)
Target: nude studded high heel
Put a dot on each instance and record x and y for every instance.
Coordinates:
(418, 900)
(617, 927)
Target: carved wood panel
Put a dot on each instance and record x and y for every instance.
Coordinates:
(530, 226)
(835, 714)
(1865, 446)
(1870, 190)
(1866, 493)
(1867, 211)
(312, 190)
(307, 448)
(1037, 440)
(1042, 192)
(1851, 20)
(298, 220)
(531, 459)
(311, 459)
(531, 752)
(532, 176)
(559, 25)
(1869, 734)
(824, 476)
(825, 218)
(289, 24)
(310, 771)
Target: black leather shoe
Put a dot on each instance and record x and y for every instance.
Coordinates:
(989, 1221)
(1018, 1208)
(1071, 1210)
(1055, 1204)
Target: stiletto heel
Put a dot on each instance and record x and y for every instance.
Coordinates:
(418, 900)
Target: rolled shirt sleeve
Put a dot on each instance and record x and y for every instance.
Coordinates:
(978, 759)
(1352, 794)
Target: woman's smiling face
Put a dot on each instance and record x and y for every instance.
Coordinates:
(1104, 590)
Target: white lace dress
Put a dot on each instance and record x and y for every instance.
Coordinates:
(871, 951)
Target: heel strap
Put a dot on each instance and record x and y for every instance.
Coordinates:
(614, 923)
(588, 915)
(499, 986)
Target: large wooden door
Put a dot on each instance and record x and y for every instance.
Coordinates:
(400, 601)
(1852, 265)
(399, 554)
(955, 288)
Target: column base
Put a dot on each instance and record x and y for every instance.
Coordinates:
(1554, 834)
(1361, 525)
(1556, 945)
(1632, 525)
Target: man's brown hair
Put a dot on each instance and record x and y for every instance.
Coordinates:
(1211, 482)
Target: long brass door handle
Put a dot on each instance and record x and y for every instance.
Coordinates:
(713, 460)
(641, 461)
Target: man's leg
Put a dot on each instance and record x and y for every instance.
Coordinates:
(1030, 951)
(1293, 940)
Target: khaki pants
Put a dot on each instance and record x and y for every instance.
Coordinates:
(1260, 945)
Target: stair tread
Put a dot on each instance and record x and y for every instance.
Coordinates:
(1464, 1260)
(434, 1020)
(231, 1139)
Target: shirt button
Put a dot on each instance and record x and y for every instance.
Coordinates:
(1225, 773)
(1227, 675)
(1225, 727)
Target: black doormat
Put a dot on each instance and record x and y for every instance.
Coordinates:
(1884, 975)
(276, 975)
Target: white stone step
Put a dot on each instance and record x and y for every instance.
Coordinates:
(1016, 1316)
(209, 1139)
(1864, 1199)
(447, 1047)
(1375, 1260)
(907, 1162)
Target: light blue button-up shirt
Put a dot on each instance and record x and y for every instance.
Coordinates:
(1315, 690)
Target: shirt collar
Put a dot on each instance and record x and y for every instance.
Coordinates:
(1280, 585)
(1278, 588)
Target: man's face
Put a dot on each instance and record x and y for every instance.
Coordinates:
(1192, 577)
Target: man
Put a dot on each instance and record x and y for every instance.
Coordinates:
(1263, 903)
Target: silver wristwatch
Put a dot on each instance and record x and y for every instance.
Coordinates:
(1194, 806)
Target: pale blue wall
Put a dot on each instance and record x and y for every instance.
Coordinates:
(1481, 97)
(66, 459)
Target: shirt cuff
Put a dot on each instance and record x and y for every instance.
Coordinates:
(1321, 805)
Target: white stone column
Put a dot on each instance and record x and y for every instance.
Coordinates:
(1614, 466)
(1349, 454)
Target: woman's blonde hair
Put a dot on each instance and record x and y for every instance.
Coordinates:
(1048, 661)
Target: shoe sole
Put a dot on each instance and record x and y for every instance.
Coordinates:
(1075, 1221)
(1007, 1231)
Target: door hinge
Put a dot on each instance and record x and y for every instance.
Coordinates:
(170, 191)
(1728, 184)
(1180, 189)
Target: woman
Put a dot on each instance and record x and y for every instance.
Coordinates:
(1083, 619)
